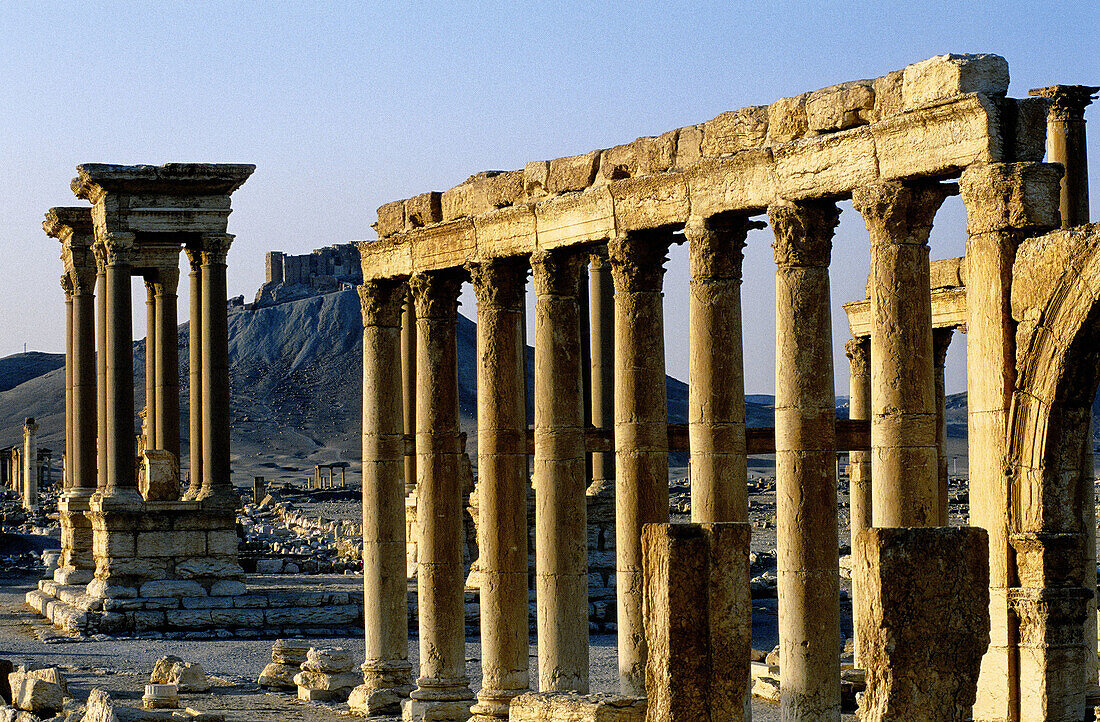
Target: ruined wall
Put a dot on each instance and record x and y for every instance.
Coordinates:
(289, 278)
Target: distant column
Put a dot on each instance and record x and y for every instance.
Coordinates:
(408, 385)
(641, 431)
(81, 456)
(805, 463)
(858, 351)
(70, 413)
(903, 407)
(101, 368)
(716, 388)
(561, 512)
(941, 339)
(167, 362)
(601, 325)
(443, 689)
(30, 464)
(1066, 145)
(150, 429)
(502, 484)
(386, 671)
(217, 487)
(194, 371)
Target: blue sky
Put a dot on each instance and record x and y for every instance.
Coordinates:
(344, 106)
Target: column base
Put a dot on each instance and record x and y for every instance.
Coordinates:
(493, 705)
(422, 710)
(116, 499)
(73, 577)
(385, 685)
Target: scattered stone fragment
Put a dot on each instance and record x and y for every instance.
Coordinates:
(189, 677)
(32, 694)
(326, 676)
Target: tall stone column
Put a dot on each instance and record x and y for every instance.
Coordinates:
(941, 340)
(101, 368)
(805, 463)
(903, 404)
(150, 429)
(641, 431)
(858, 351)
(121, 482)
(167, 362)
(30, 464)
(443, 689)
(601, 329)
(194, 371)
(502, 485)
(67, 287)
(386, 672)
(217, 487)
(408, 385)
(561, 512)
(716, 386)
(1066, 145)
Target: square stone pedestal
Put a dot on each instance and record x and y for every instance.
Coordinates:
(76, 565)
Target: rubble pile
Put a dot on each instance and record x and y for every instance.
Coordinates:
(282, 540)
(287, 657)
(327, 675)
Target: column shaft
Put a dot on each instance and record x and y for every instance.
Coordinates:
(601, 325)
(443, 690)
(941, 339)
(70, 411)
(150, 429)
(716, 386)
(408, 385)
(805, 461)
(641, 431)
(121, 477)
(386, 671)
(502, 485)
(903, 404)
(101, 374)
(167, 362)
(82, 455)
(216, 483)
(194, 371)
(1066, 145)
(859, 478)
(561, 513)
(30, 464)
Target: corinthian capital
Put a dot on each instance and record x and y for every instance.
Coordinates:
(638, 260)
(500, 282)
(435, 293)
(558, 272)
(803, 232)
(214, 247)
(897, 213)
(115, 248)
(716, 245)
(381, 302)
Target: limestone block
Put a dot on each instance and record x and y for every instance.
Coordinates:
(939, 140)
(159, 602)
(926, 624)
(338, 615)
(536, 178)
(618, 162)
(206, 568)
(368, 700)
(1027, 120)
(689, 146)
(227, 588)
(189, 618)
(278, 676)
(328, 680)
(573, 707)
(52, 675)
(328, 659)
(221, 542)
(787, 119)
(206, 602)
(391, 219)
(655, 155)
(505, 189)
(131, 568)
(745, 181)
(888, 97)
(171, 588)
(735, 131)
(148, 621)
(945, 76)
(423, 210)
(1011, 195)
(698, 621)
(840, 106)
(35, 695)
(324, 695)
(445, 245)
(269, 566)
(650, 201)
(574, 173)
(114, 544)
(826, 165)
(238, 618)
(122, 605)
(189, 677)
(250, 601)
(506, 231)
(163, 668)
(575, 218)
(469, 198)
(161, 480)
(104, 589)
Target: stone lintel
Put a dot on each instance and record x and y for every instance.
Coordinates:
(948, 311)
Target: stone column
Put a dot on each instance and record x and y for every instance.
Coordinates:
(167, 362)
(101, 368)
(1066, 145)
(858, 351)
(443, 689)
(194, 370)
(150, 430)
(408, 384)
(903, 405)
(502, 485)
(941, 340)
(716, 386)
(601, 327)
(30, 464)
(641, 431)
(67, 287)
(217, 487)
(386, 672)
(121, 482)
(805, 463)
(561, 513)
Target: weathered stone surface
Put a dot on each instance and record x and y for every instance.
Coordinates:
(927, 620)
(536, 178)
(369, 700)
(171, 588)
(787, 119)
(735, 131)
(35, 695)
(689, 146)
(391, 218)
(574, 173)
(1023, 196)
(423, 210)
(840, 106)
(328, 659)
(945, 76)
(52, 675)
(227, 588)
(278, 676)
(328, 680)
(290, 651)
(558, 706)
(826, 165)
(189, 677)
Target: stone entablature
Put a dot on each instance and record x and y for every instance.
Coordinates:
(930, 120)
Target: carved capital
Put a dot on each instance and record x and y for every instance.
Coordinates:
(214, 248)
(83, 280)
(858, 351)
(558, 273)
(381, 302)
(115, 248)
(803, 232)
(500, 282)
(435, 293)
(716, 244)
(898, 213)
(166, 281)
(638, 260)
(194, 260)
(1067, 102)
(597, 257)
(67, 287)
(941, 340)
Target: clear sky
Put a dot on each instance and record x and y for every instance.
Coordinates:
(344, 106)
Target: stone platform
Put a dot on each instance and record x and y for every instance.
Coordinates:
(185, 610)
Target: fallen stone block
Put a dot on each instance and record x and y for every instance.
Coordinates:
(945, 76)
(327, 659)
(289, 651)
(189, 677)
(555, 706)
(278, 676)
(35, 695)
